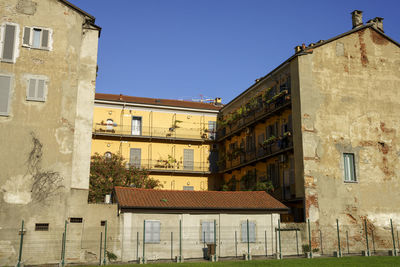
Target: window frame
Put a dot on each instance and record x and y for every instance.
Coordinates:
(243, 238)
(346, 168)
(31, 34)
(208, 238)
(45, 88)
(152, 241)
(16, 42)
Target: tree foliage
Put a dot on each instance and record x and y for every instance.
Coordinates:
(107, 172)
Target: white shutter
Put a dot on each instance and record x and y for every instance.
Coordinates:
(9, 40)
(27, 36)
(252, 232)
(40, 90)
(244, 231)
(45, 38)
(152, 234)
(5, 89)
(31, 89)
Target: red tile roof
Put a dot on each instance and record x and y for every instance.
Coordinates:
(156, 101)
(128, 197)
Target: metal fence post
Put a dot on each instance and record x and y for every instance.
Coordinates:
(265, 240)
(297, 244)
(366, 237)
(101, 241)
(144, 240)
(64, 244)
(137, 246)
(172, 245)
(347, 242)
(105, 244)
(373, 241)
(394, 244)
(280, 246)
(338, 236)
(180, 240)
(21, 232)
(235, 243)
(309, 237)
(215, 237)
(248, 240)
(320, 240)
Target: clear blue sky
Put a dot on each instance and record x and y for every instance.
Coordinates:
(182, 49)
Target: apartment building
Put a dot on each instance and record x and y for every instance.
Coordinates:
(321, 128)
(172, 139)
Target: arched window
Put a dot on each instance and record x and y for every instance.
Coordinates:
(107, 155)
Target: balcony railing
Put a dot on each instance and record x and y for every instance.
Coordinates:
(260, 113)
(262, 152)
(168, 166)
(154, 132)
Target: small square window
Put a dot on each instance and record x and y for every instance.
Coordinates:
(75, 220)
(42, 227)
(349, 167)
(102, 223)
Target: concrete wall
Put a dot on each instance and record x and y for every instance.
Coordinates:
(45, 145)
(192, 245)
(349, 104)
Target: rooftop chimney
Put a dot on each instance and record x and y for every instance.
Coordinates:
(378, 23)
(217, 101)
(297, 49)
(356, 18)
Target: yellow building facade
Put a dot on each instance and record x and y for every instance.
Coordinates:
(172, 139)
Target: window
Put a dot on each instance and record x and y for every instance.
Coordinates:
(135, 157)
(136, 126)
(42, 227)
(75, 220)
(110, 125)
(207, 232)
(37, 89)
(8, 42)
(188, 188)
(152, 234)
(252, 231)
(349, 167)
(102, 223)
(39, 38)
(5, 90)
(212, 125)
(188, 159)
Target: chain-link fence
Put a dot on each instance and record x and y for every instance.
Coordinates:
(192, 239)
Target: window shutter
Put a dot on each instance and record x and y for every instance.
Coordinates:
(9, 42)
(252, 232)
(148, 237)
(40, 90)
(244, 231)
(32, 89)
(156, 231)
(45, 38)
(5, 88)
(27, 36)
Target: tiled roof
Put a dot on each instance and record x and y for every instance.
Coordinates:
(156, 101)
(128, 197)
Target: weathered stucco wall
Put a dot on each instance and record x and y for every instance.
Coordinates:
(350, 102)
(45, 145)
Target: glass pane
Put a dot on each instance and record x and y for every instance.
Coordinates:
(36, 38)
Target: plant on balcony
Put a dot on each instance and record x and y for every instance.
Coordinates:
(237, 152)
(270, 140)
(222, 161)
(175, 125)
(229, 185)
(107, 172)
(287, 134)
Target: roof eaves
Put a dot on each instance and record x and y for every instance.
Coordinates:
(204, 208)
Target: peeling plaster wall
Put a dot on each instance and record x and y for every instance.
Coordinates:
(350, 103)
(61, 125)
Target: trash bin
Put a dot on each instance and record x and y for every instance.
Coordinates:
(210, 250)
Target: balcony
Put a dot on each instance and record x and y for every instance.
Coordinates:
(261, 113)
(249, 157)
(147, 132)
(169, 166)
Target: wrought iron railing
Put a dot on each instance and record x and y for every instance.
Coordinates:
(147, 131)
(173, 166)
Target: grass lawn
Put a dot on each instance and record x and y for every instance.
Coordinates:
(345, 261)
